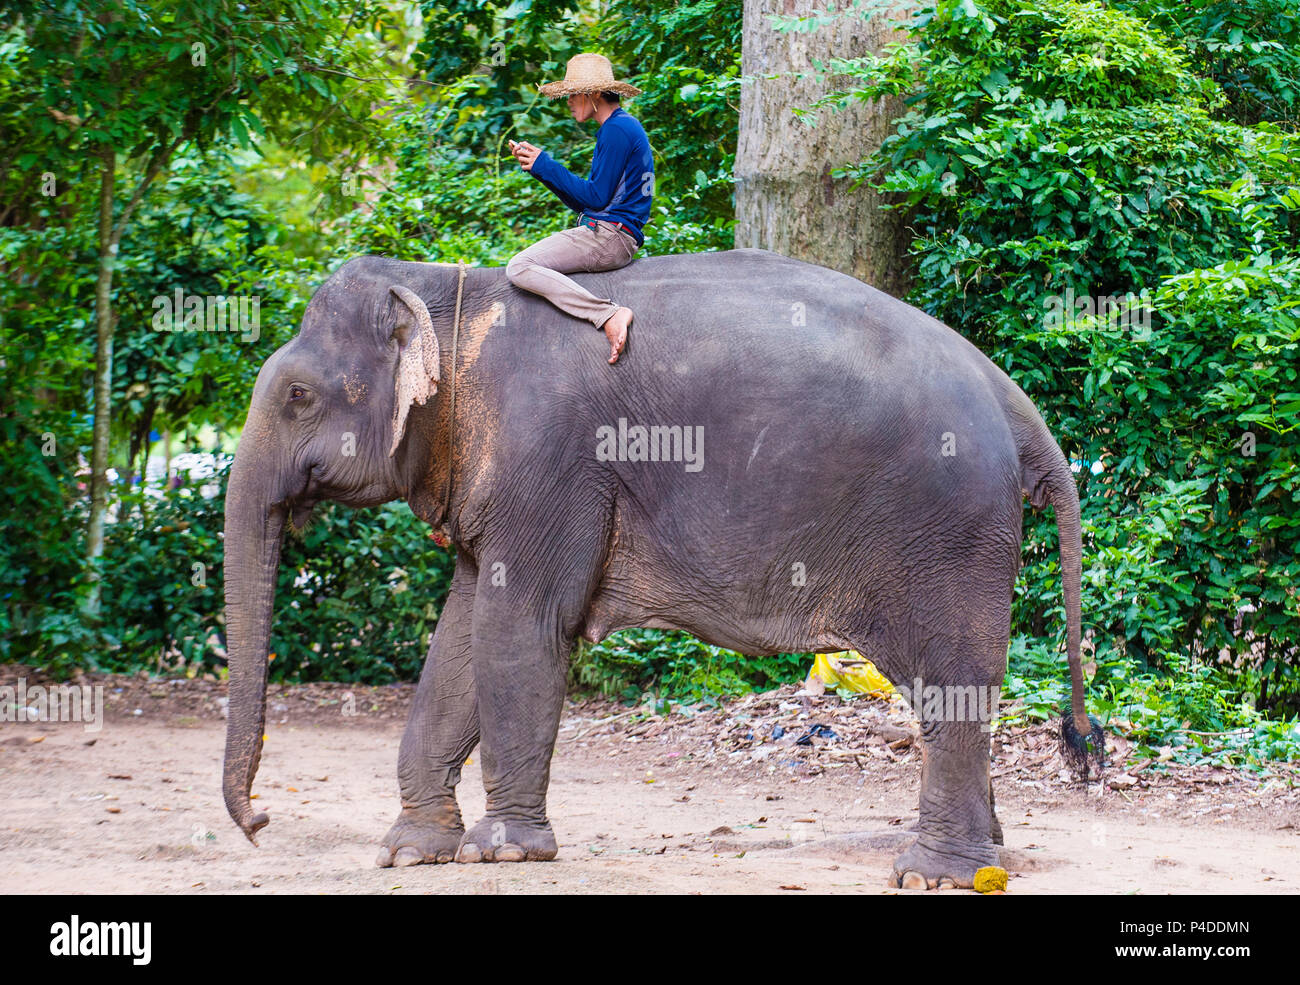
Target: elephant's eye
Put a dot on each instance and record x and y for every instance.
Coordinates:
(296, 393)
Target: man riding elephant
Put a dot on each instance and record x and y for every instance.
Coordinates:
(613, 202)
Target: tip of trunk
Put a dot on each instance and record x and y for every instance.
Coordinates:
(242, 757)
(255, 824)
(241, 810)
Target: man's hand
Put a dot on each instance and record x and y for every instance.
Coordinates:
(525, 153)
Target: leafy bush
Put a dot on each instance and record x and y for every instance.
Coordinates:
(1251, 48)
(676, 667)
(448, 202)
(43, 428)
(1193, 714)
(357, 596)
(1064, 150)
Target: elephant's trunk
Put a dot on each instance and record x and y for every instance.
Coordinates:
(252, 555)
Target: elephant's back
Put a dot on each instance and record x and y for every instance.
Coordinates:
(767, 301)
(813, 360)
(753, 317)
(787, 366)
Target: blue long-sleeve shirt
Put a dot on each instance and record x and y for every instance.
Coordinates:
(619, 186)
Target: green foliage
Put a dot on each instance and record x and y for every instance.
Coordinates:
(1051, 147)
(197, 235)
(445, 202)
(1062, 150)
(202, 237)
(138, 98)
(357, 597)
(676, 667)
(43, 424)
(205, 71)
(1191, 713)
(1251, 48)
(162, 566)
(503, 49)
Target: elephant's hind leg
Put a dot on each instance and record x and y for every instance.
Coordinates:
(955, 836)
(958, 831)
(440, 734)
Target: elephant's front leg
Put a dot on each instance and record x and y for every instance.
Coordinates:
(440, 734)
(521, 655)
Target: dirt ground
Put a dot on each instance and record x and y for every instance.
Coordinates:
(720, 802)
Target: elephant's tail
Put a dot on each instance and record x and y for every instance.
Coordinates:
(1047, 480)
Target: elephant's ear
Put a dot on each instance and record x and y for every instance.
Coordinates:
(417, 364)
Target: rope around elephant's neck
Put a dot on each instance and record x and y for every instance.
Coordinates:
(451, 394)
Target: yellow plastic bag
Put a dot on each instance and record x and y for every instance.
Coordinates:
(850, 670)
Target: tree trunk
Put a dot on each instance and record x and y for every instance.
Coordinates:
(110, 235)
(103, 380)
(786, 199)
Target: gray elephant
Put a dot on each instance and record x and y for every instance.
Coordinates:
(784, 460)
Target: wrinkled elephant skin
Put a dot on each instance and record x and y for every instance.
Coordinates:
(784, 460)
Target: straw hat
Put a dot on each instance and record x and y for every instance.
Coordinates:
(587, 73)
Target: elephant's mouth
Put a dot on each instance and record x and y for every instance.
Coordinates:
(316, 490)
(300, 514)
(301, 504)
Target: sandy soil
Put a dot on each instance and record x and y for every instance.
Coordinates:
(637, 806)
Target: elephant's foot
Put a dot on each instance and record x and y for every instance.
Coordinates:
(508, 840)
(422, 835)
(921, 867)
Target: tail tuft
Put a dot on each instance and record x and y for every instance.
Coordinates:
(1075, 746)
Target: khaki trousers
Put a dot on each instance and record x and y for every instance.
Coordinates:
(541, 267)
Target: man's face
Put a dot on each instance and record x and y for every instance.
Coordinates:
(583, 106)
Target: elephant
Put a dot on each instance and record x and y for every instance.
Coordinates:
(784, 460)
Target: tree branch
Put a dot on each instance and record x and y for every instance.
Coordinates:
(155, 165)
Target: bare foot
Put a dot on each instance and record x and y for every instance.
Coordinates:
(615, 327)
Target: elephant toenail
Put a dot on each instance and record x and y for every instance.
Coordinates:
(385, 858)
(408, 856)
(914, 880)
(510, 853)
(444, 857)
(469, 852)
(946, 883)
